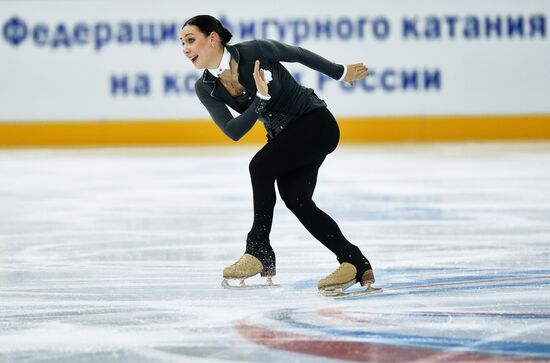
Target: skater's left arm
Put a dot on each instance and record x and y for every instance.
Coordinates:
(281, 52)
(233, 127)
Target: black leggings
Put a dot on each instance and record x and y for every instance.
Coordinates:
(293, 159)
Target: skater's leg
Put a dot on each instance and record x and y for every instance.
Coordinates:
(296, 189)
(264, 198)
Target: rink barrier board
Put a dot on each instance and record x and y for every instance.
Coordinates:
(205, 132)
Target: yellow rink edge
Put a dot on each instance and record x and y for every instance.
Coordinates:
(205, 132)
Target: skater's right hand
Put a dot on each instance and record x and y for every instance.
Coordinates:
(355, 71)
(261, 84)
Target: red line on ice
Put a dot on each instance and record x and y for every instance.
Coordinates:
(360, 351)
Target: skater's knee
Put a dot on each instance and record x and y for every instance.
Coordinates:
(257, 167)
(297, 203)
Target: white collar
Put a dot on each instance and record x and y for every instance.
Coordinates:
(224, 64)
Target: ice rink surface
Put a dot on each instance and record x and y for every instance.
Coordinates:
(116, 254)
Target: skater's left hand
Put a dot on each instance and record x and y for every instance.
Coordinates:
(259, 78)
(356, 71)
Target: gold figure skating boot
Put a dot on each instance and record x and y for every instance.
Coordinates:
(246, 267)
(345, 276)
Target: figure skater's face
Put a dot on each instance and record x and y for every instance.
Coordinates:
(200, 49)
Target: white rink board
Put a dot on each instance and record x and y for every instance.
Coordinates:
(66, 60)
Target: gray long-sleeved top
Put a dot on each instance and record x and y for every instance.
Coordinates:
(287, 96)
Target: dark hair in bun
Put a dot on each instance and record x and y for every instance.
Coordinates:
(208, 24)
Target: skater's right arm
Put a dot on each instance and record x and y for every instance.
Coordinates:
(233, 127)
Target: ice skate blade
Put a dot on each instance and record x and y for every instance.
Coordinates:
(243, 286)
(341, 293)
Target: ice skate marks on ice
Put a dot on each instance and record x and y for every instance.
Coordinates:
(242, 285)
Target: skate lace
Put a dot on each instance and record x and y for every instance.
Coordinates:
(236, 262)
(341, 267)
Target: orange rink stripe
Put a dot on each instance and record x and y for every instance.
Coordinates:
(201, 132)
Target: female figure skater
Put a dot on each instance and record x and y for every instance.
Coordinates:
(301, 131)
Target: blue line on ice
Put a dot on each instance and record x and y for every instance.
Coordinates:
(478, 346)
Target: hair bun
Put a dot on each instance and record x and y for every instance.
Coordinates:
(226, 35)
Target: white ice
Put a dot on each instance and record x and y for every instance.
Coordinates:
(116, 255)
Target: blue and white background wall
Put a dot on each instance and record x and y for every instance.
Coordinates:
(115, 68)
